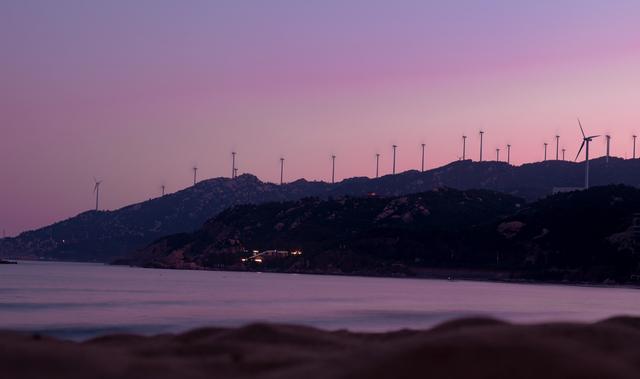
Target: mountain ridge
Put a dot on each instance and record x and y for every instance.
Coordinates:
(106, 235)
(588, 236)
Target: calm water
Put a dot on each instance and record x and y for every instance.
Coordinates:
(79, 300)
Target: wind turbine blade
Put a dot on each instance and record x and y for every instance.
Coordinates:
(593, 136)
(582, 130)
(579, 151)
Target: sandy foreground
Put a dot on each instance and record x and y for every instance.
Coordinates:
(469, 348)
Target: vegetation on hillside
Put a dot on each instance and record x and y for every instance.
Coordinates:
(576, 236)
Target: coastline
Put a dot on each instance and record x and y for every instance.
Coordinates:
(475, 347)
(470, 275)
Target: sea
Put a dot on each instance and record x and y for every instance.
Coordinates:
(78, 301)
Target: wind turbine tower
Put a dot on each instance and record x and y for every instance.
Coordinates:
(233, 165)
(195, 175)
(394, 159)
(498, 155)
(162, 187)
(557, 146)
(585, 143)
(281, 171)
(509, 154)
(333, 169)
(608, 137)
(464, 147)
(563, 151)
(377, 163)
(481, 135)
(634, 146)
(545, 151)
(96, 189)
(422, 157)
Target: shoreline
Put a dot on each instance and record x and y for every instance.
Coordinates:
(461, 348)
(454, 273)
(475, 278)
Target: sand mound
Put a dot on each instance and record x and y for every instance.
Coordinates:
(470, 348)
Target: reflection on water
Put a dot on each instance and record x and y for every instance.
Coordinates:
(81, 300)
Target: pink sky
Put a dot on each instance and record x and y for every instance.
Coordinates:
(137, 92)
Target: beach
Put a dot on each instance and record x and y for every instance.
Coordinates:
(473, 347)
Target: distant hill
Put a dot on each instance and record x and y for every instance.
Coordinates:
(579, 236)
(106, 235)
(337, 232)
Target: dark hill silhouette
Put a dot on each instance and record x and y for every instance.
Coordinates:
(583, 236)
(105, 235)
(338, 234)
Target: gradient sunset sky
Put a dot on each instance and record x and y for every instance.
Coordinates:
(137, 92)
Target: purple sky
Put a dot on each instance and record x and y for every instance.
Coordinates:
(137, 92)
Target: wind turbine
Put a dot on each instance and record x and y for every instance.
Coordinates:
(563, 150)
(423, 157)
(464, 147)
(333, 169)
(162, 187)
(498, 155)
(281, 171)
(96, 189)
(377, 163)
(634, 146)
(545, 151)
(394, 158)
(608, 139)
(233, 165)
(557, 145)
(508, 154)
(585, 143)
(481, 135)
(195, 175)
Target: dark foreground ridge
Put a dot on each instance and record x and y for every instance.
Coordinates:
(468, 348)
(582, 236)
(106, 235)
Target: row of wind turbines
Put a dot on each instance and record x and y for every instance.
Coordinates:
(586, 140)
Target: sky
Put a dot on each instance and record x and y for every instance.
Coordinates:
(137, 92)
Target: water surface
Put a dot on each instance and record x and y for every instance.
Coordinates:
(81, 300)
